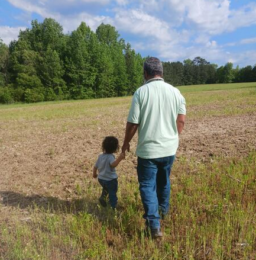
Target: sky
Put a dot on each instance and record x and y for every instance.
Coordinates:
(219, 31)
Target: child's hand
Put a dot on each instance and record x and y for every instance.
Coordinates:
(95, 175)
(122, 156)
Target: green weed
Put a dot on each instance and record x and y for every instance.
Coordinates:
(213, 219)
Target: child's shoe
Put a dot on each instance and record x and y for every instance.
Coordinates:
(103, 202)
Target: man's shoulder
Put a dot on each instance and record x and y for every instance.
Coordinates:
(168, 85)
(141, 88)
(146, 87)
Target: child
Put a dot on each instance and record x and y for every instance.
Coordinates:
(107, 177)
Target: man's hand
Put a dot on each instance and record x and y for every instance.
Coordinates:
(125, 147)
(129, 133)
(122, 156)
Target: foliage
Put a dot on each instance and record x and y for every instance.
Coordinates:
(45, 64)
(33, 95)
(211, 217)
(4, 56)
(5, 95)
(85, 64)
(212, 212)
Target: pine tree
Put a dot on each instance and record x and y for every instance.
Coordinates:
(4, 57)
(134, 67)
(80, 76)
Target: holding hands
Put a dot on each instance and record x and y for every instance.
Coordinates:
(125, 147)
(121, 156)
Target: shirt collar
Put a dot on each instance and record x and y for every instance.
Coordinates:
(154, 79)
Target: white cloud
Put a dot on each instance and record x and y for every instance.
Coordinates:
(151, 5)
(8, 34)
(29, 6)
(174, 53)
(212, 16)
(71, 22)
(211, 44)
(243, 17)
(122, 2)
(241, 42)
(202, 39)
(245, 58)
(248, 41)
(140, 23)
(207, 15)
(44, 7)
(172, 29)
(214, 54)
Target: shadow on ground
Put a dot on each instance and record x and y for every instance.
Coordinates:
(55, 205)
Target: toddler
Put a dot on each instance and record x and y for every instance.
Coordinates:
(107, 176)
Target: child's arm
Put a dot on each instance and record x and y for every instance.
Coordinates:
(118, 160)
(95, 175)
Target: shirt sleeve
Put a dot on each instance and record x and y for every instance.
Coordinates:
(182, 108)
(97, 163)
(111, 159)
(134, 113)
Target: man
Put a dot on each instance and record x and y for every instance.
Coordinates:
(158, 112)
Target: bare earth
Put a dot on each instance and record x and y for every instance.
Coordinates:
(39, 163)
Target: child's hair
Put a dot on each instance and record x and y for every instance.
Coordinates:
(110, 144)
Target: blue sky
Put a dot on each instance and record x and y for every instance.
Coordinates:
(219, 31)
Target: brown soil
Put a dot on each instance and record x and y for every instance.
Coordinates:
(218, 136)
(40, 165)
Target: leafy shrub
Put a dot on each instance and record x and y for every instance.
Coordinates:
(18, 94)
(2, 83)
(50, 95)
(6, 96)
(79, 92)
(28, 81)
(34, 95)
(59, 93)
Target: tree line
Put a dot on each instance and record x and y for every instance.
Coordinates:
(199, 71)
(45, 64)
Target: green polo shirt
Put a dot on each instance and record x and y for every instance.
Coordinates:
(155, 107)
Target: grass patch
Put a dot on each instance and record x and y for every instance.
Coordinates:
(220, 96)
(216, 87)
(213, 219)
(212, 212)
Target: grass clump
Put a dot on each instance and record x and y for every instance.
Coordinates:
(212, 217)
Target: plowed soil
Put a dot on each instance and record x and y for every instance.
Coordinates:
(42, 160)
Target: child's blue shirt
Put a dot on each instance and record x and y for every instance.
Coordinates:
(106, 172)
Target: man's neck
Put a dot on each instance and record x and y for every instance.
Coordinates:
(153, 77)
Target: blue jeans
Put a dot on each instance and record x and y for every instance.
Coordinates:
(155, 187)
(109, 188)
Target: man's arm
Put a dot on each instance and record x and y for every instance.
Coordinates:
(129, 133)
(180, 122)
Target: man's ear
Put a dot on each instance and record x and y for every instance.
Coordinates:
(145, 74)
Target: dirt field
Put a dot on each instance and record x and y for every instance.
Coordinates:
(49, 201)
(45, 159)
